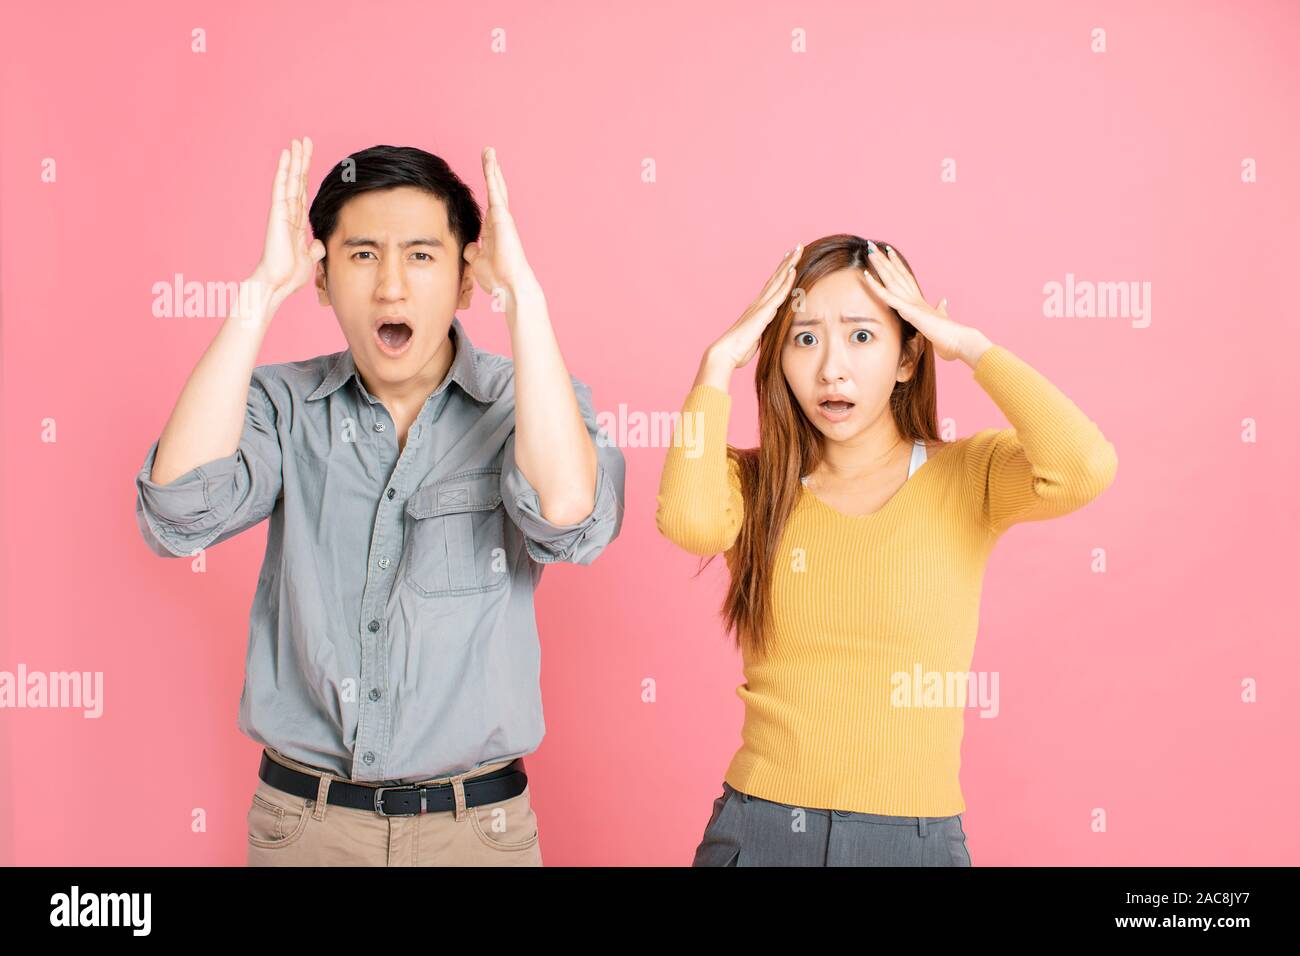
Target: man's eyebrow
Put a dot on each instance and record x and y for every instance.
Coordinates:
(420, 241)
(847, 317)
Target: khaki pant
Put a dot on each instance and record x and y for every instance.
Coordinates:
(284, 830)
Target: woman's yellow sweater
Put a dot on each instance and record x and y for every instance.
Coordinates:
(859, 703)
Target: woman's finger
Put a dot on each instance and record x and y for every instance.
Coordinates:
(787, 283)
(765, 310)
(914, 311)
(903, 271)
(778, 278)
(899, 283)
(892, 299)
(888, 274)
(767, 304)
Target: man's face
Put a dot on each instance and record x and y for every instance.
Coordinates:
(393, 279)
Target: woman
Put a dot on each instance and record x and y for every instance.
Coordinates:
(856, 541)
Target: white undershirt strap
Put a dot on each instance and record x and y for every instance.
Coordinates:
(918, 459)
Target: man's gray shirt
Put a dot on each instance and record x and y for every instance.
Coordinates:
(392, 636)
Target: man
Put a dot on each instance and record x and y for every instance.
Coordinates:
(416, 488)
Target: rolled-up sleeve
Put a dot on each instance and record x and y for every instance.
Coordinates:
(578, 543)
(218, 499)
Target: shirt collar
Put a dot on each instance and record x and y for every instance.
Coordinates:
(464, 368)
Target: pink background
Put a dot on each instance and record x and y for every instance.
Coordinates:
(1118, 690)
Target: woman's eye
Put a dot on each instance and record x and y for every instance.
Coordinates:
(805, 338)
(863, 332)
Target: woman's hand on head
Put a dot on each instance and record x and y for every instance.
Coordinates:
(738, 345)
(901, 293)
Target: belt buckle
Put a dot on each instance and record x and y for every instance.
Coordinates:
(379, 801)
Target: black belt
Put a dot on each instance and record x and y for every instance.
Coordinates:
(399, 801)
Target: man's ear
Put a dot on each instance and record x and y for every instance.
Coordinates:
(466, 287)
(322, 290)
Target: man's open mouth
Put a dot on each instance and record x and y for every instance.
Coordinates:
(394, 336)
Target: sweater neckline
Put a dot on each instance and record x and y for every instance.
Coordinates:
(889, 503)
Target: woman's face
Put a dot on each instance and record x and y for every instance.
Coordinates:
(843, 348)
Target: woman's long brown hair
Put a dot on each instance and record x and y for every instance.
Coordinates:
(790, 446)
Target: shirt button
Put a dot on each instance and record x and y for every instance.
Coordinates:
(391, 492)
(374, 626)
(383, 563)
(380, 426)
(374, 693)
(368, 757)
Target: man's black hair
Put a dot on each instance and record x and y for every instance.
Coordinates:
(387, 167)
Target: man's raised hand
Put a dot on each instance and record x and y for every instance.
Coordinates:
(497, 259)
(289, 255)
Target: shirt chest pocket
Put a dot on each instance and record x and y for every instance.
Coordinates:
(455, 535)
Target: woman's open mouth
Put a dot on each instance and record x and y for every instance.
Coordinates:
(835, 411)
(394, 337)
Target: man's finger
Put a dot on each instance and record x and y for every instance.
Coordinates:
(302, 187)
(496, 185)
(501, 181)
(280, 183)
(493, 198)
(295, 171)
